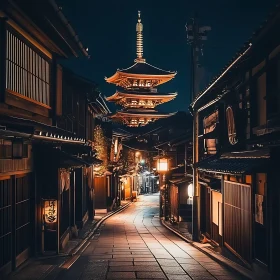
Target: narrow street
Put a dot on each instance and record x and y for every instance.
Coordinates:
(134, 245)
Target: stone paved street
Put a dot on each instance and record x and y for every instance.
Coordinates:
(134, 245)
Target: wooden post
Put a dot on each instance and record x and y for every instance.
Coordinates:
(58, 212)
(13, 254)
(196, 192)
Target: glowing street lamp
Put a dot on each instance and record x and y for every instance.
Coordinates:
(162, 164)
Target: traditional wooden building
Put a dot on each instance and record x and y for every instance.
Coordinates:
(236, 154)
(137, 92)
(45, 118)
(174, 141)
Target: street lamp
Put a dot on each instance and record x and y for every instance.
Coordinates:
(163, 167)
(162, 164)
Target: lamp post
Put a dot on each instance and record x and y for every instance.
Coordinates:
(162, 168)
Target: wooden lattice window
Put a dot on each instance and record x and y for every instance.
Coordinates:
(231, 126)
(27, 71)
(6, 150)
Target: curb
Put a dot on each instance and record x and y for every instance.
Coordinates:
(224, 261)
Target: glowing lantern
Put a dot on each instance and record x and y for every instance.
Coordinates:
(162, 165)
(190, 194)
(190, 190)
(50, 211)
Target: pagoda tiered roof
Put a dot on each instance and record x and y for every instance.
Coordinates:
(142, 67)
(139, 117)
(140, 70)
(138, 99)
(139, 95)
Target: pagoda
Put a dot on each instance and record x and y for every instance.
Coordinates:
(136, 88)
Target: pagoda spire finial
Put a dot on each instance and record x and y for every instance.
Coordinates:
(139, 40)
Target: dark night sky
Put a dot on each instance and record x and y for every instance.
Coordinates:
(107, 28)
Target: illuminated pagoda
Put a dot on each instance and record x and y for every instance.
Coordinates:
(136, 88)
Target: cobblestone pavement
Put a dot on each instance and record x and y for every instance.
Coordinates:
(133, 245)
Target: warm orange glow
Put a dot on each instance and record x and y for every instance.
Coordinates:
(162, 164)
(190, 190)
(50, 211)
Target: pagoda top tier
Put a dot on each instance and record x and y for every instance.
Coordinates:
(141, 74)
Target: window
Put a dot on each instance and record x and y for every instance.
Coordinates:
(231, 126)
(27, 72)
(209, 125)
(6, 149)
(16, 149)
(273, 89)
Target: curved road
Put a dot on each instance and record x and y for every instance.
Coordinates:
(134, 245)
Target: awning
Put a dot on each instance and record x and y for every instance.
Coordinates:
(91, 160)
(68, 160)
(236, 163)
(180, 180)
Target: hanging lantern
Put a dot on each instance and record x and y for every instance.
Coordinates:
(190, 194)
(50, 211)
(190, 190)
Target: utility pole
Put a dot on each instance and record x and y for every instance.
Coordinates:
(196, 35)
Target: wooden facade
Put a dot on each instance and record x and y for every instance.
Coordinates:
(47, 118)
(237, 121)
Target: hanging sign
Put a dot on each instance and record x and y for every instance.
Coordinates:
(50, 211)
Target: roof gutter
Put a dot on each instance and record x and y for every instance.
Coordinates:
(69, 27)
(221, 76)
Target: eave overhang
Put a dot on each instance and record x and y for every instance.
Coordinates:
(120, 95)
(141, 114)
(119, 78)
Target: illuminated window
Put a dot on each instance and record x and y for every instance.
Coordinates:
(135, 83)
(141, 83)
(231, 126)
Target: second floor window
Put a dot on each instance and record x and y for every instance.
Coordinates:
(27, 72)
(231, 126)
(209, 125)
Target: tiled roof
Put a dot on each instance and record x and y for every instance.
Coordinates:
(232, 165)
(148, 93)
(144, 111)
(145, 68)
(181, 180)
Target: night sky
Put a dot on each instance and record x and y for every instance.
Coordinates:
(107, 28)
